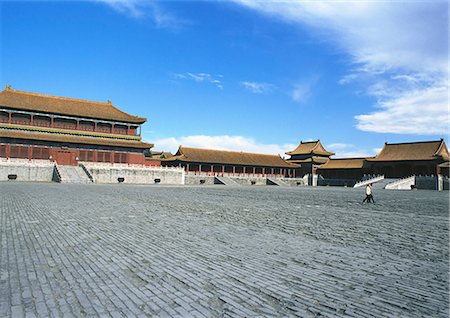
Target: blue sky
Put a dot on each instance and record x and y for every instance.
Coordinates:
(243, 75)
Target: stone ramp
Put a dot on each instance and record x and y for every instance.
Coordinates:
(365, 182)
(407, 183)
(379, 182)
(72, 174)
(383, 183)
(277, 182)
(225, 181)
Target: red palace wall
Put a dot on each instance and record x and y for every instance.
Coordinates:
(68, 156)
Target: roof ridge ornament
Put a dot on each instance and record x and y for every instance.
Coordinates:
(109, 102)
(8, 87)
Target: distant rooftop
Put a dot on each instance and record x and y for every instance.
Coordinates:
(187, 154)
(425, 150)
(310, 147)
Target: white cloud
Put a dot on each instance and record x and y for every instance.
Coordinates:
(301, 92)
(139, 9)
(354, 154)
(343, 150)
(257, 88)
(235, 143)
(128, 7)
(423, 111)
(399, 48)
(376, 150)
(338, 146)
(201, 77)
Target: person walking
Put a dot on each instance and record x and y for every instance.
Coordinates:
(369, 195)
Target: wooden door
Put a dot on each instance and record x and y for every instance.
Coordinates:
(66, 157)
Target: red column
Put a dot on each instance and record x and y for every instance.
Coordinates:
(128, 130)
(112, 128)
(78, 125)
(234, 170)
(52, 122)
(9, 118)
(30, 152)
(8, 151)
(32, 120)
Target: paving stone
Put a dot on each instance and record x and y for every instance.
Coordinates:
(136, 251)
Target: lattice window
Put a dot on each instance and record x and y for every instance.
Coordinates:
(3, 151)
(22, 119)
(103, 157)
(40, 153)
(19, 152)
(4, 117)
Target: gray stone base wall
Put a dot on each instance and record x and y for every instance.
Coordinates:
(137, 176)
(25, 172)
(426, 182)
(250, 180)
(294, 182)
(196, 180)
(336, 182)
(246, 181)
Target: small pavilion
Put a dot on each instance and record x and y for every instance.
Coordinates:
(310, 155)
(224, 162)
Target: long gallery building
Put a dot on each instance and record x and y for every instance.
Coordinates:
(68, 130)
(195, 160)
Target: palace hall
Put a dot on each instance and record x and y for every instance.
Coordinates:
(68, 130)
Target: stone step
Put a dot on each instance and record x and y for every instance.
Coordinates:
(73, 174)
(277, 182)
(225, 180)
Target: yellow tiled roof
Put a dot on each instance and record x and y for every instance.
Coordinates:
(187, 154)
(310, 147)
(344, 163)
(426, 150)
(28, 101)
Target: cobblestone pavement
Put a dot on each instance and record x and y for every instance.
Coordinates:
(116, 250)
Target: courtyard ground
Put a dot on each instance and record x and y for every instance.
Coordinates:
(119, 250)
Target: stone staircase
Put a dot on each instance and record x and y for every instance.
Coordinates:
(277, 182)
(378, 182)
(225, 180)
(383, 183)
(402, 184)
(72, 174)
(365, 182)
